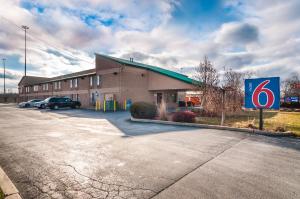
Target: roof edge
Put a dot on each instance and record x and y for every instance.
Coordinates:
(187, 79)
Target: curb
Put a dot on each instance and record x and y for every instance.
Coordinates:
(7, 187)
(251, 131)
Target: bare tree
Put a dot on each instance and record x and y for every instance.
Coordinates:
(290, 87)
(207, 79)
(233, 84)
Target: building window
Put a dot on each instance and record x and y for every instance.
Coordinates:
(45, 87)
(59, 85)
(91, 80)
(171, 97)
(98, 80)
(35, 88)
(55, 85)
(75, 83)
(71, 83)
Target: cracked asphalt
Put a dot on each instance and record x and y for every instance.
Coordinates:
(86, 154)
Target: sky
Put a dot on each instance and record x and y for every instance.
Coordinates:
(262, 37)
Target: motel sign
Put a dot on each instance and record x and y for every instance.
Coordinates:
(262, 93)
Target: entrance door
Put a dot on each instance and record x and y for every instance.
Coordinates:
(158, 98)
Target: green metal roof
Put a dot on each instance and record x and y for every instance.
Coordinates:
(156, 69)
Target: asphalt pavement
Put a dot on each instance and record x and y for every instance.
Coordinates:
(87, 154)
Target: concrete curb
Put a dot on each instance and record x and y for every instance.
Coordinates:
(7, 187)
(252, 131)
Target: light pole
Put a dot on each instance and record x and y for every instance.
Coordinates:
(25, 29)
(4, 75)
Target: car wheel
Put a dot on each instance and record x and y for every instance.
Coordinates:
(77, 106)
(55, 107)
(43, 106)
(26, 105)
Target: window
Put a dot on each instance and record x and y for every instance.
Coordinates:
(35, 88)
(55, 85)
(98, 80)
(75, 83)
(45, 87)
(71, 83)
(59, 85)
(91, 80)
(172, 97)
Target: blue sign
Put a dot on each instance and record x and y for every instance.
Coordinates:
(262, 93)
(291, 99)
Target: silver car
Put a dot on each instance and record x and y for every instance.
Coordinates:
(29, 103)
(40, 104)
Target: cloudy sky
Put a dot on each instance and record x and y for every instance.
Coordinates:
(246, 35)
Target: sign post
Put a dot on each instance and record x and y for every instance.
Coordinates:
(262, 93)
(261, 121)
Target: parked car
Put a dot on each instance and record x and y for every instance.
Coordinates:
(61, 102)
(41, 104)
(29, 103)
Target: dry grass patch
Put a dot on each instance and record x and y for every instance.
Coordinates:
(273, 120)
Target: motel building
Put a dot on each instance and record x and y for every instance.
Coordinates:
(115, 82)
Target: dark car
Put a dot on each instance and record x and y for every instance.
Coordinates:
(61, 102)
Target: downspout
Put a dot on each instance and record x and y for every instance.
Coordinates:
(120, 82)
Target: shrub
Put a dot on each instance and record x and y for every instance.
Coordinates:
(280, 129)
(290, 105)
(143, 110)
(184, 116)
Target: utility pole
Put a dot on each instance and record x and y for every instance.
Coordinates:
(4, 89)
(223, 106)
(25, 29)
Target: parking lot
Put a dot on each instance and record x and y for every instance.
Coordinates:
(87, 154)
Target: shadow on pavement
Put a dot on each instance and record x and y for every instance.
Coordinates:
(122, 121)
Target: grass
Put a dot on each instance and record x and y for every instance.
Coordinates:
(290, 121)
(1, 194)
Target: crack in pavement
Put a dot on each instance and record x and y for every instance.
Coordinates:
(198, 166)
(118, 187)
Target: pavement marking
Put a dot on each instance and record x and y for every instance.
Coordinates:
(197, 167)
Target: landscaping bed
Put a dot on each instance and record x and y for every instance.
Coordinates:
(244, 120)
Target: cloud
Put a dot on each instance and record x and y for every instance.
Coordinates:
(237, 34)
(9, 75)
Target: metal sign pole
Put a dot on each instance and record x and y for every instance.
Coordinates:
(261, 122)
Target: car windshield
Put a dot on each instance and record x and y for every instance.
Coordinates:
(67, 99)
(47, 100)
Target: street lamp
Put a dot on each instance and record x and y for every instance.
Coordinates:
(25, 29)
(4, 75)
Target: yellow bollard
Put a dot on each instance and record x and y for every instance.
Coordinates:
(104, 106)
(115, 106)
(125, 104)
(96, 106)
